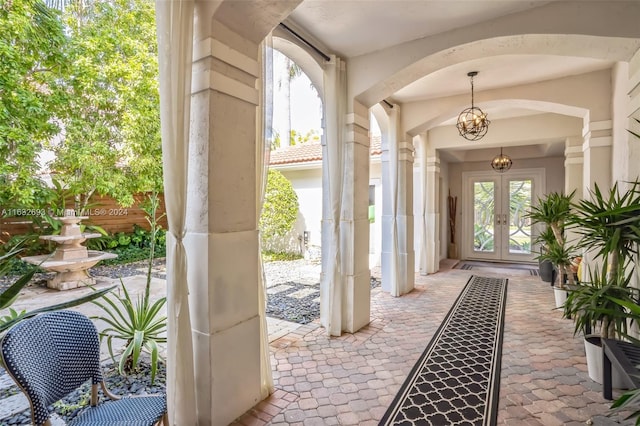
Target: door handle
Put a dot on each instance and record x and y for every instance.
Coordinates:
(497, 219)
(504, 219)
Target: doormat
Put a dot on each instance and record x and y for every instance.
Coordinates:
(457, 378)
(511, 268)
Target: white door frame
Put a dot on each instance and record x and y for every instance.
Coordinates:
(538, 188)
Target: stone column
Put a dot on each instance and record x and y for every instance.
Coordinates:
(404, 217)
(421, 211)
(433, 212)
(573, 173)
(633, 142)
(222, 240)
(633, 93)
(387, 210)
(596, 149)
(354, 224)
(596, 169)
(397, 244)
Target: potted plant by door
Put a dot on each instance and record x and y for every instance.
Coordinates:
(598, 305)
(554, 211)
(545, 240)
(608, 225)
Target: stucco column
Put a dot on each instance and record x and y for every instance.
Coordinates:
(633, 113)
(354, 223)
(221, 239)
(596, 148)
(573, 173)
(633, 143)
(398, 253)
(432, 194)
(421, 210)
(404, 217)
(573, 165)
(387, 212)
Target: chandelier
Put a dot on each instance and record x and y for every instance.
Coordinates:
(501, 163)
(472, 122)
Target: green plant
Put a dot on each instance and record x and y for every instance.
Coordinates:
(554, 211)
(139, 323)
(64, 408)
(280, 209)
(628, 402)
(601, 301)
(609, 224)
(32, 64)
(545, 239)
(270, 256)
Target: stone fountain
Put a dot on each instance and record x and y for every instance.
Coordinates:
(71, 260)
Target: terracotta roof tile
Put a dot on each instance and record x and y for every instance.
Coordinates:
(310, 152)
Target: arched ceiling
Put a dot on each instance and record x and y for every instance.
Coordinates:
(356, 27)
(436, 42)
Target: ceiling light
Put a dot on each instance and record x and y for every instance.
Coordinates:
(472, 122)
(501, 163)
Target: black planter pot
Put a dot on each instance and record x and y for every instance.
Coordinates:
(547, 271)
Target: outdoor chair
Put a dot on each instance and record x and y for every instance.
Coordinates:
(52, 354)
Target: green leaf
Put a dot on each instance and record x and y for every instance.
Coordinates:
(65, 305)
(8, 296)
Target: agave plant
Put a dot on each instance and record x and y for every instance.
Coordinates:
(139, 323)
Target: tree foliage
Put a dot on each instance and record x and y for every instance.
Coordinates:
(297, 138)
(82, 83)
(31, 63)
(280, 209)
(111, 142)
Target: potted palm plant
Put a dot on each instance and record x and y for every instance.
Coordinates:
(608, 225)
(554, 211)
(545, 240)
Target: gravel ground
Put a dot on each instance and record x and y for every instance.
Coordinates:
(111, 271)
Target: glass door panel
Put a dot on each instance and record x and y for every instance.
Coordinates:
(496, 227)
(519, 227)
(483, 217)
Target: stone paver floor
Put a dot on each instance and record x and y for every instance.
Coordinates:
(352, 379)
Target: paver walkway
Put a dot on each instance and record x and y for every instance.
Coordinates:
(350, 380)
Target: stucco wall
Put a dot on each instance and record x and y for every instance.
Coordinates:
(308, 186)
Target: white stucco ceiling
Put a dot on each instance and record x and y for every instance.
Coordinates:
(496, 72)
(355, 27)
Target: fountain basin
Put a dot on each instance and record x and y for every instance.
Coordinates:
(66, 239)
(71, 273)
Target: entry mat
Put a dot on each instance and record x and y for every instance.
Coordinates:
(512, 268)
(456, 380)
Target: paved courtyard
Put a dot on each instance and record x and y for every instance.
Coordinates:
(352, 379)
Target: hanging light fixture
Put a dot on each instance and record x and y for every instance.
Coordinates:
(472, 122)
(501, 163)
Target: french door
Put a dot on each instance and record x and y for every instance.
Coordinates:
(496, 228)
